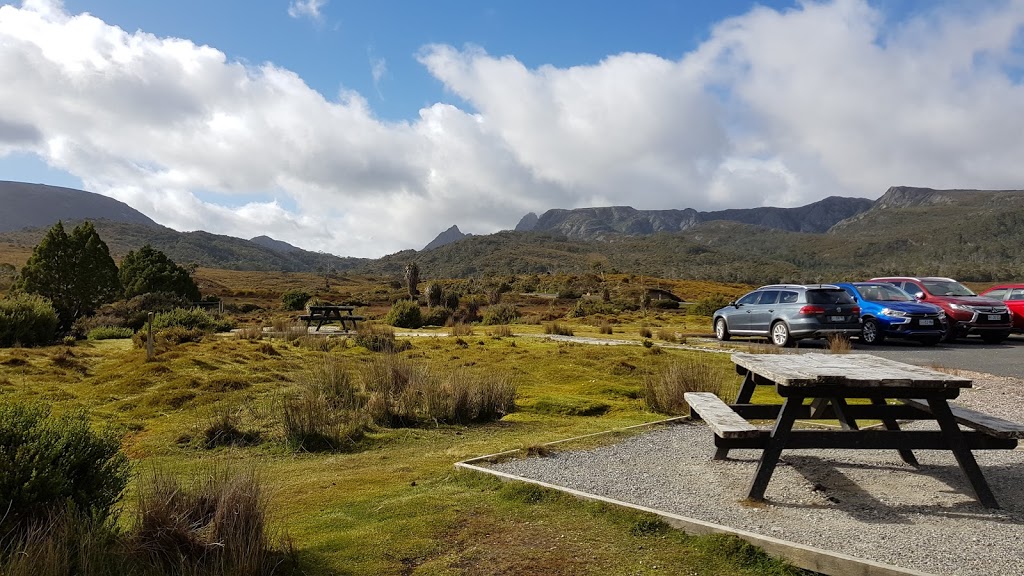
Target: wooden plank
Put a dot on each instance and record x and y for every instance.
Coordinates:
(861, 370)
(980, 421)
(719, 416)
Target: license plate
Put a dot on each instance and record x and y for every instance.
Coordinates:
(996, 317)
(927, 322)
(837, 318)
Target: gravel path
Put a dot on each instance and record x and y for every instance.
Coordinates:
(863, 503)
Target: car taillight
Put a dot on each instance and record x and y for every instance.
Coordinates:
(855, 310)
(812, 310)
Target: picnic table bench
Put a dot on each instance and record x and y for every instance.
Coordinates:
(322, 314)
(817, 386)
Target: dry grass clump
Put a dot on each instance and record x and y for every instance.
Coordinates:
(460, 329)
(667, 335)
(839, 344)
(605, 327)
(665, 388)
(327, 412)
(502, 331)
(401, 393)
(217, 524)
(379, 338)
(223, 430)
(557, 329)
(645, 332)
(250, 333)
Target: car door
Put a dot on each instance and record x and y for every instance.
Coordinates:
(763, 311)
(739, 319)
(1015, 302)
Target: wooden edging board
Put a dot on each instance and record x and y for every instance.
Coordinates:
(799, 555)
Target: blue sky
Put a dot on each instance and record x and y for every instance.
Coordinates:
(362, 128)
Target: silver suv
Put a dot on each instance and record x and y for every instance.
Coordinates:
(788, 312)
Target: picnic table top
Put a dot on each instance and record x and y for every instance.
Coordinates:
(860, 370)
(325, 307)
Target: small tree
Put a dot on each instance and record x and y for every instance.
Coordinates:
(435, 294)
(150, 270)
(75, 272)
(412, 278)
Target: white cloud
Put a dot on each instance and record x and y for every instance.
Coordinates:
(306, 9)
(774, 108)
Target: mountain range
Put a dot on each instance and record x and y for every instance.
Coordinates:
(970, 234)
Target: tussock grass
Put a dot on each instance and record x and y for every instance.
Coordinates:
(665, 388)
(839, 344)
(605, 327)
(460, 329)
(502, 331)
(667, 335)
(214, 524)
(250, 333)
(645, 332)
(557, 329)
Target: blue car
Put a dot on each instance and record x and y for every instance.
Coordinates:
(888, 312)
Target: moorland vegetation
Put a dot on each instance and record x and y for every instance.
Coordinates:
(270, 450)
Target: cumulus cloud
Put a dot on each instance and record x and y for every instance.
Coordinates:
(306, 9)
(774, 108)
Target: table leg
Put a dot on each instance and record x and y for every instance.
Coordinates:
(890, 424)
(772, 451)
(746, 389)
(742, 397)
(957, 443)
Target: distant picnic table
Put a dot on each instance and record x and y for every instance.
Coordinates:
(827, 381)
(322, 314)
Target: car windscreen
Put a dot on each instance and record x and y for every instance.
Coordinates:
(885, 293)
(829, 296)
(947, 288)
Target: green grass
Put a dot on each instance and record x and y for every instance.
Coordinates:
(395, 505)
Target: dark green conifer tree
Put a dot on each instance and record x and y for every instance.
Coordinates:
(150, 270)
(74, 271)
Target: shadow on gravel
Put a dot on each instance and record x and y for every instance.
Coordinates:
(875, 504)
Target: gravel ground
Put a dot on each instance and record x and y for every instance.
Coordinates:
(863, 503)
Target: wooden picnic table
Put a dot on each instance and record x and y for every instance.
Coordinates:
(322, 314)
(817, 386)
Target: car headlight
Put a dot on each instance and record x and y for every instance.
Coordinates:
(891, 312)
(961, 307)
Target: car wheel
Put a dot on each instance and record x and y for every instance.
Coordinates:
(994, 337)
(871, 332)
(780, 334)
(931, 340)
(721, 330)
(951, 333)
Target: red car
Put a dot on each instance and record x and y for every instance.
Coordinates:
(966, 312)
(1013, 296)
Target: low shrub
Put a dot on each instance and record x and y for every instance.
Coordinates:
(437, 316)
(164, 340)
(501, 314)
(50, 462)
(707, 306)
(664, 389)
(294, 299)
(404, 314)
(191, 319)
(27, 320)
(665, 304)
(109, 333)
(584, 308)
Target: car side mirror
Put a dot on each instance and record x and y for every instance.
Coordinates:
(919, 295)
(734, 304)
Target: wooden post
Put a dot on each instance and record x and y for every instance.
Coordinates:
(149, 338)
